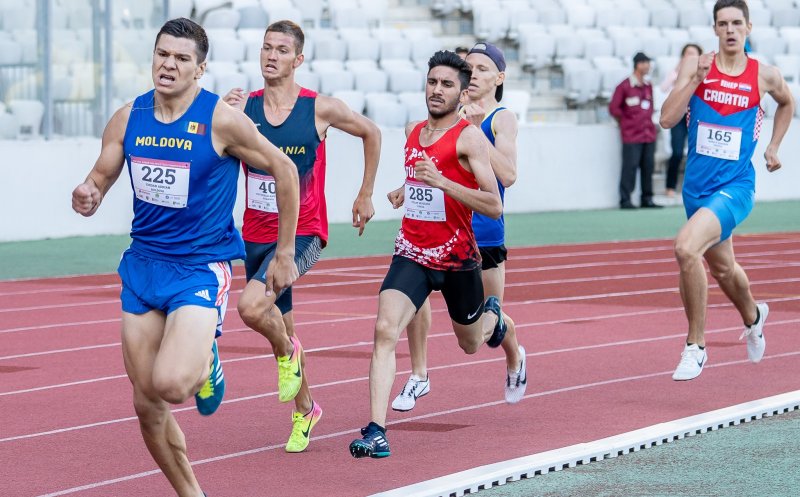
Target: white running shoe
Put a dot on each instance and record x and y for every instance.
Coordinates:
(755, 335)
(693, 358)
(517, 381)
(414, 388)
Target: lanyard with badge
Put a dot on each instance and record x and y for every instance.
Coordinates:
(161, 182)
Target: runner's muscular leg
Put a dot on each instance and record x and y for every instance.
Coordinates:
(141, 339)
(494, 282)
(395, 311)
(732, 279)
(302, 402)
(259, 313)
(417, 332)
(698, 235)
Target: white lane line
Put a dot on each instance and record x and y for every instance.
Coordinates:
(338, 434)
(334, 300)
(495, 474)
(581, 348)
(509, 304)
(348, 269)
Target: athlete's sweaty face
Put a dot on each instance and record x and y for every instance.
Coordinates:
(279, 56)
(732, 29)
(442, 91)
(485, 76)
(175, 66)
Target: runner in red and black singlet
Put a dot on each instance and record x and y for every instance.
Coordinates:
(481, 107)
(448, 176)
(296, 120)
(437, 229)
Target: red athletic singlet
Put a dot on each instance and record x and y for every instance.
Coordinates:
(296, 137)
(437, 230)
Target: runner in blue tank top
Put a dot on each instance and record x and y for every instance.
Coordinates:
(722, 92)
(499, 125)
(181, 145)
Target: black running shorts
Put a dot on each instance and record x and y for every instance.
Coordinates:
(462, 290)
(492, 257)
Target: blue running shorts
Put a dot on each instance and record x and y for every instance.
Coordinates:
(730, 204)
(154, 284)
(307, 250)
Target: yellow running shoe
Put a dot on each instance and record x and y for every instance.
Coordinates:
(301, 428)
(290, 372)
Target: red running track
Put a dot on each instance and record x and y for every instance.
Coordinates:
(602, 323)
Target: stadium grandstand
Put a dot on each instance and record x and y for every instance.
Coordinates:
(66, 65)
(565, 56)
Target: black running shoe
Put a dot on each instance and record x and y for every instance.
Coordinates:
(372, 444)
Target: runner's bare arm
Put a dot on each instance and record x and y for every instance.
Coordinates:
(87, 196)
(503, 155)
(473, 154)
(235, 134)
(338, 115)
(691, 73)
(771, 80)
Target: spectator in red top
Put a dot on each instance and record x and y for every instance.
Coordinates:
(632, 107)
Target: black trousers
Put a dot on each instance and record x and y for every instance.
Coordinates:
(678, 135)
(635, 156)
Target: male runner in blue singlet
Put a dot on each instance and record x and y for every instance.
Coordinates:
(182, 146)
(722, 92)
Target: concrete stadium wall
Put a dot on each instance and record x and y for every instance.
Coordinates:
(560, 168)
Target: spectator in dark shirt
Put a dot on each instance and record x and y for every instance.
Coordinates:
(632, 107)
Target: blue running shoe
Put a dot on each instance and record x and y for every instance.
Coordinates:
(493, 305)
(209, 397)
(373, 443)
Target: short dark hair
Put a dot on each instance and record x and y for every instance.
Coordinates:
(450, 59)
(460, 50)
(691, 45)
(186, 28)
(289, 28)
(739, 4)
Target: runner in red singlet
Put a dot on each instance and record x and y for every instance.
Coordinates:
(297, 121)
(448, 176)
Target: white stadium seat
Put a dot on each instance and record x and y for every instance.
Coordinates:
(254, 17)
(517, 101)
(308, 79)
(221, 18)
(404, 80)
(29, 114)
(354, 99)
(226, 49)
(370, 81)
(414, 102)
(336, 81)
